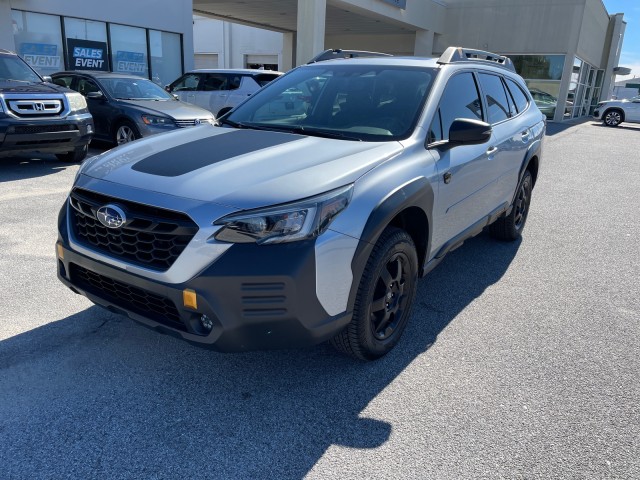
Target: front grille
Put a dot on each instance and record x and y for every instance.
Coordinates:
(31, 129)
(190, 123)
(34, 108)
(151, 237)
(134, 299)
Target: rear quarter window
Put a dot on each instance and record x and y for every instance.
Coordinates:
(519, 97)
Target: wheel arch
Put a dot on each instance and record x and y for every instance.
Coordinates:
(409, 207)
(617, 109)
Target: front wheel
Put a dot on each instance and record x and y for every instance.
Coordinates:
(510, 228)
(612, 118)
(126, 132)
(384, 298)
(76, 155)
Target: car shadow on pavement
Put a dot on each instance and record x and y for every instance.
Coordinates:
(18, 168)
(95, 395)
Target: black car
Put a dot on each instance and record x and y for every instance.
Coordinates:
(126, 107)
(38, 116)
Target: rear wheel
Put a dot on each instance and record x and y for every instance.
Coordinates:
(612, 118)
(510, 228)
(77, 155)
(384, 298)
(126, 132)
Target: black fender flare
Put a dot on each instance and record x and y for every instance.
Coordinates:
(416, 193)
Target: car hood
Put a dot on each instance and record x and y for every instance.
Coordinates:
(31, 87)
(174, 109)
(238, 168)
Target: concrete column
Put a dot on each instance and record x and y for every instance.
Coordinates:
(424, 43)
(613, 57)
(312, 16)
(226, 46)
(564, 86)
(287, 59)
(6, 26)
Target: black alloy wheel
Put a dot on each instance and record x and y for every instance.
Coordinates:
(384, 298)
(510, 227)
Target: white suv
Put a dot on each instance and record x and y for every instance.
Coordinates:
(215, 90)
(614, 112)
(288, 229)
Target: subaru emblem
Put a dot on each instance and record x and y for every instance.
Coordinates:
(111, 216)
(196, 121)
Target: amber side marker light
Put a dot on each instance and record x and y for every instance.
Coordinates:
(60, 251)
(190, 299)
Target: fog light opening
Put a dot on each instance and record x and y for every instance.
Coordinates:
(206, 323)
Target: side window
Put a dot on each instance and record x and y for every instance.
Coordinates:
(63, 81)
(263, 78)
(459, 100)
(496, 97)
(186, 83)
(86, 86)
(234, 82)
(214, 82)
(519, 97)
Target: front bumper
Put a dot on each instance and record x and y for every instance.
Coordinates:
(51, 135)
(257, 297)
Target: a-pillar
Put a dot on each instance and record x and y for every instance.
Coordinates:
(312, 16)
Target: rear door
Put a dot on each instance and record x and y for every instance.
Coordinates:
(510, 139)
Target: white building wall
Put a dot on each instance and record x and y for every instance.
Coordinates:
(232, 41)
(535, 26)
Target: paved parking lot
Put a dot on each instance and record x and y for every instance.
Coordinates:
(521, 360)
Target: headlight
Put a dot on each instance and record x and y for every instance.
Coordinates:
(307, 218)
(157, 121)
(76, 102)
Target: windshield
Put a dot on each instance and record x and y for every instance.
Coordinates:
(355, 102)
(134, 89)
(13, 68)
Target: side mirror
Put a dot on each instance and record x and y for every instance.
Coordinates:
(465, 131)
(47, 79)
(95, 95)
(167, 88)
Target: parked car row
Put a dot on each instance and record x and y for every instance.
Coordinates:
(62, 113)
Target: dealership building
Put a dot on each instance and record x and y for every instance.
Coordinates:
(567, 50)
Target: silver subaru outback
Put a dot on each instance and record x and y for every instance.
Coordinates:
(313, 209)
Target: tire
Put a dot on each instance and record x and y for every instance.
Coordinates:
(384, 298)
(509, 228)
(612, 118)
(125, 132)
(76, 155)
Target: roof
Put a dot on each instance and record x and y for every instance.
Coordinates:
(100, 74)
(251, 71)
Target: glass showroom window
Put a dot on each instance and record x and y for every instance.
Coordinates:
(86, 44)
(129, 50)
(166, 57)
(38, 40)
(543, 74)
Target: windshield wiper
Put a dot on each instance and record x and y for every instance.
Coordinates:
(233, 124)
(318, 132)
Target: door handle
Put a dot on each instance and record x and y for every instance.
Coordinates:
(491, 150)
(447, 177)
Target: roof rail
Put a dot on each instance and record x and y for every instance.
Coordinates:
(339, 53)
(459, 54)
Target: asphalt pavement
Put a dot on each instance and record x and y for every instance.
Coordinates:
(521, 360)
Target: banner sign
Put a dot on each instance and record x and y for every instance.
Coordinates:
(130, 62)
(87, 55)
(40, 55)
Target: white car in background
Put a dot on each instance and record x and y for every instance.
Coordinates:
(614, 112)
(219, 88)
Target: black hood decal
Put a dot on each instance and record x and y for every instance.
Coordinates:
(207, 151)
